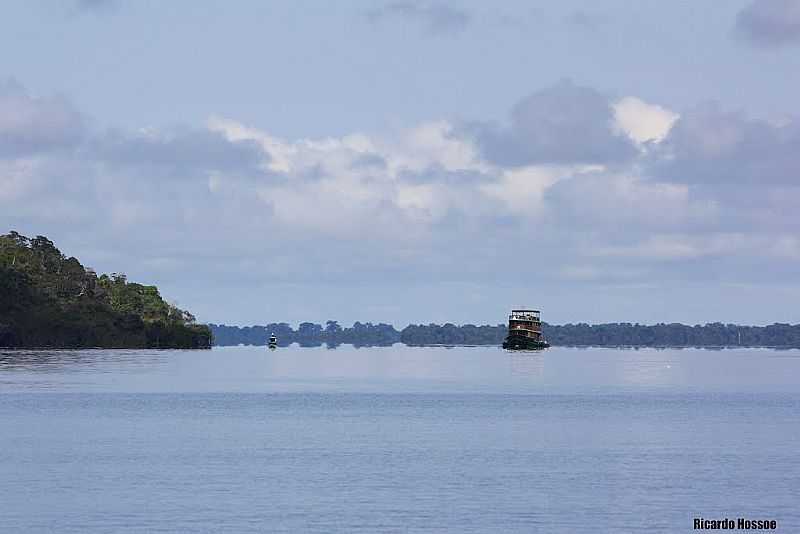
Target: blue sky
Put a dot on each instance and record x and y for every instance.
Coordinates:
(414, 161)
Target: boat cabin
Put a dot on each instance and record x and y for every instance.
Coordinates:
(525, 323)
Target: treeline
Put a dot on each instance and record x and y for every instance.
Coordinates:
(50, 300)
(581, 334)
(674, 335)
(307, 334)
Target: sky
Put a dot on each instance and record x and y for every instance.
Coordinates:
(411, 161)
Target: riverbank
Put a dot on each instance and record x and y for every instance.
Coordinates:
(712, 335)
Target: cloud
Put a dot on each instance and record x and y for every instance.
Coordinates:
(433, 18)
(564, 123)
(31, 124)
(770, 23)
(183, 152)
(708, 145)
(582, 187)
(643, 122)
(424, 174)
(625, 203)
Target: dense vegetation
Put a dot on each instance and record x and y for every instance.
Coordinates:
(612, 334)
(674, 335)
(307, 334)
(49, 300)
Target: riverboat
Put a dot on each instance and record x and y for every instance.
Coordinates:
(525, 331)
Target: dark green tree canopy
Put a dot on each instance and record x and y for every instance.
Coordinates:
(48, 299)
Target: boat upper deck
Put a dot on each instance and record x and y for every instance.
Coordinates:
(524, 315)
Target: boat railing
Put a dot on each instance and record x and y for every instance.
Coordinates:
(514, 317)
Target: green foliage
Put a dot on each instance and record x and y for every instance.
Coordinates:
(674, 335)
(49, 300)
(308, 334)
(611, 334)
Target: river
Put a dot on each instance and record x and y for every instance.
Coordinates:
(397, 439)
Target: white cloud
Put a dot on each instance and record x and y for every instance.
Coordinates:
(434, 143)
(613, 200)
(243, 207)
(522, 190)
(641, 121)
(340, 185)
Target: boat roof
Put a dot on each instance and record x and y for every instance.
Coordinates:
(525, 311)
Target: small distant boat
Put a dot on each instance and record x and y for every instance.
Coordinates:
(272, 342)
(525, 331)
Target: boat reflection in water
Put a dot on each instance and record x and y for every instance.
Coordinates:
(525, 331)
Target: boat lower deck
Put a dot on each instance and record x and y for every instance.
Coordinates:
(515, 342)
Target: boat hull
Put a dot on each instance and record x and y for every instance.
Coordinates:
(524, 343)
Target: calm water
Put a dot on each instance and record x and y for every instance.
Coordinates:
(397, 439)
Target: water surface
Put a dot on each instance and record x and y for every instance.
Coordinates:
(397, 439)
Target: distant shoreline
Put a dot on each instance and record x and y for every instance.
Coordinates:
(434, 345)
(675, 335)
(473, 345)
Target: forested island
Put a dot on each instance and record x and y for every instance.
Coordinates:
(581, 334)
(50, 300)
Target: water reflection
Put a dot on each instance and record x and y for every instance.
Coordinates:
(649, 368)
(72, 369)
(398, 368)
(527, 366)
(46, 361)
